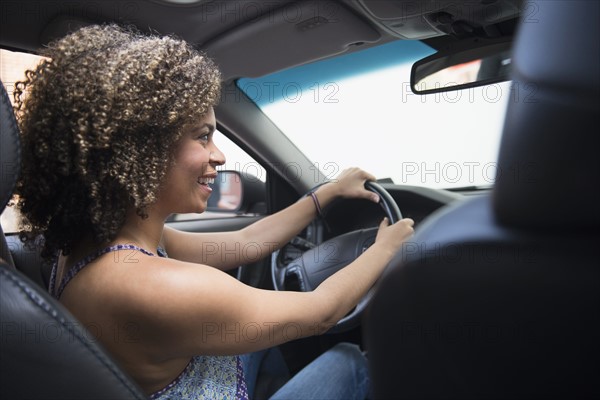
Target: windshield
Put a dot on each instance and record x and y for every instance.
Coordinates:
(358, 110)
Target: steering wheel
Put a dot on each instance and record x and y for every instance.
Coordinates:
(307, 271)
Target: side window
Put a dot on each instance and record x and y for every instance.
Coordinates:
(13, 65)
(236, 160)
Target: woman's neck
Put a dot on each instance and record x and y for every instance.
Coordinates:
(144, 232)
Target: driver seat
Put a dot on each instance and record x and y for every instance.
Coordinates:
(499, 296)
(45, 353)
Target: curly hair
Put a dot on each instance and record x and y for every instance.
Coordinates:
(99, 122)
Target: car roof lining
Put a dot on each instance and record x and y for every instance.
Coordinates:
(195, 23)
(233, 32)
(297, 34)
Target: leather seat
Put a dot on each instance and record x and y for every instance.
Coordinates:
(499, 296)
(45, 353)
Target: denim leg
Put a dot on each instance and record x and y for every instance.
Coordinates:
(340, 373)
(251, 363)
(265, 371)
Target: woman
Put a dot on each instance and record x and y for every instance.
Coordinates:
(117, 135)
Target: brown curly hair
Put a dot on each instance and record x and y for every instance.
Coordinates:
(99, 123)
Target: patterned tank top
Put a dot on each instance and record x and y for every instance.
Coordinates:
(205, 377)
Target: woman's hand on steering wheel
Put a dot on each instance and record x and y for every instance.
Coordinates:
(351, 184)
(392, 236)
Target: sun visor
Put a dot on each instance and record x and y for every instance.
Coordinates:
(296, 34)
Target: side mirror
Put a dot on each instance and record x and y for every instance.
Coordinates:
(462, 66)
(237, 192)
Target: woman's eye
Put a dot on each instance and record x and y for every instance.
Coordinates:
(203, 138)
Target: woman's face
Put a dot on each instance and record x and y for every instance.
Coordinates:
(186, 186)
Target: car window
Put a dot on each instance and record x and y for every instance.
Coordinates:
(13, 65)
(358, 110)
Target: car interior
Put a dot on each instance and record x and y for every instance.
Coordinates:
(497, 295)
(500, 299)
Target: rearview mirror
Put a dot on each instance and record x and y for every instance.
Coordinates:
(465, 64)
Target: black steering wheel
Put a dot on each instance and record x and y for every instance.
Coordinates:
(316, 264)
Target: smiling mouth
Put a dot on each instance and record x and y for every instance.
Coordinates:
(206, 181)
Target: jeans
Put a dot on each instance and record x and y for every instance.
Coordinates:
(339, 373)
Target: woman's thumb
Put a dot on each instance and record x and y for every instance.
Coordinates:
(385, 222)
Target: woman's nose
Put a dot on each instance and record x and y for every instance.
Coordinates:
(216, 156)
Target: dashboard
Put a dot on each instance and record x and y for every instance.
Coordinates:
(345, 215)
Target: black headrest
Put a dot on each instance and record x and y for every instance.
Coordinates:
(10, 149)
(548, 166)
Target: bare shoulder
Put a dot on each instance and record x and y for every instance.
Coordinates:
(178, 309)
(128, 278)
(153, 296)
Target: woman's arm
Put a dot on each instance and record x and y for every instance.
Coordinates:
(189, 309)
(226, 250)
